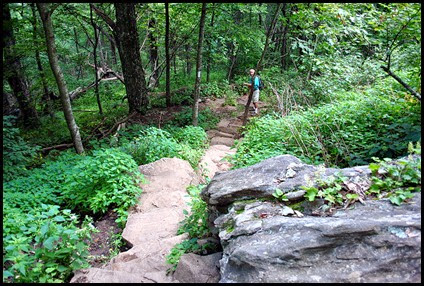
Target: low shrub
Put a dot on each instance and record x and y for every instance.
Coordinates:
(194, 136)
(347, 132)
(206, 118)
(107, 179)
(45, 245)
(217, 89)
(18, 155)
(152, 144)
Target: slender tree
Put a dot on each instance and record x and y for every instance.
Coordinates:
(199, 65)
(259, 64)
(48, 107)
(208, 65)
(154, 56)
(14, 72)
(45, 14)
(96, 40)
(168, 88)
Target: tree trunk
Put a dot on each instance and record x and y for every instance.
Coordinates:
(60, 80)
(258, 66)
(113, 49)
(260, 17)
(208, 66)
(188, 50)
(96, 40)
(199, 66)
(129, 52)
(268, 36)
(48, 107)
(14, 73)
(154, 58)
(233, 58)
(168, 92)
(284, 48)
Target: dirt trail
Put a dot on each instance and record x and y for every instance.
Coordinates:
(153, 223)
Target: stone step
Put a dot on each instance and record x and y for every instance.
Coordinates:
(229, 130)
(142, 227)
(222, 141)
(224, 134)
(139, 251)
(98, 275)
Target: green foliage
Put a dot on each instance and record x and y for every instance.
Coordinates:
(188, 245)
(399, 180)
(194, 136)
(108, 178)
(279, 195)
(344, 133)
(195, 222)
(18, 155)
(216, 89)
(396, 181)
(207, 119)
(152, 144)
(45, 245)
(330, 190)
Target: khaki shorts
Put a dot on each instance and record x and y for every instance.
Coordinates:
(255, 96)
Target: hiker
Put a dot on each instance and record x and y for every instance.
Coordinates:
(255, 96)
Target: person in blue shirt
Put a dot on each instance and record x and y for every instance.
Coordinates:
(254, 83)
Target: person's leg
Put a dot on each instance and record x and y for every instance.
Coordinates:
(255, 100)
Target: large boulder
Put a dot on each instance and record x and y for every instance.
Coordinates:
(376, 242)
(267, 241)
(285, 172)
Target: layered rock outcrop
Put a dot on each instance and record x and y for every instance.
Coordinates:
(266, 241)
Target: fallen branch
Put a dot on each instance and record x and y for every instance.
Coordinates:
(117, 124)
(104, 75)
(60, 146)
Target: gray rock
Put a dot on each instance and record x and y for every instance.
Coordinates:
(284, 172)
(193, 268)
(266, 241)
(376, 242)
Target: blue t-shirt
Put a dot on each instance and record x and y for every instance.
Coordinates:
(256, 84)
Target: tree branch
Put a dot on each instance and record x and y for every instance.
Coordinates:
(104, 16)
(405, 85)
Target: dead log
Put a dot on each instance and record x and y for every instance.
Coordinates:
(105, 74)
(57, 147)
(117, 124)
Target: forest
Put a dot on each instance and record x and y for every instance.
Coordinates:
(91, 91)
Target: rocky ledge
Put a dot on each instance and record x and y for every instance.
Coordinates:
(268, 241)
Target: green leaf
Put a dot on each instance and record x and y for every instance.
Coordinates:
(7, 274)
(50, 269)
(59, 218)
(311, 193)
(396, 200)
(374, 167)
(352, 196)
(48, 243)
